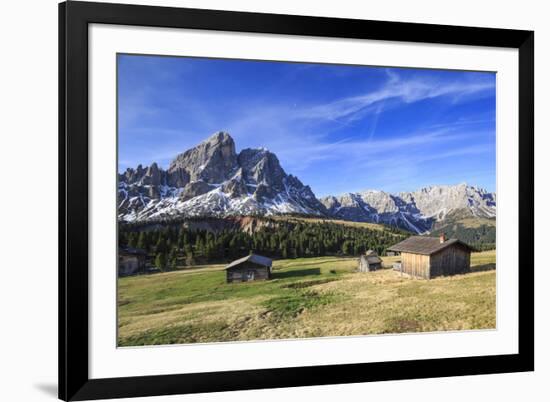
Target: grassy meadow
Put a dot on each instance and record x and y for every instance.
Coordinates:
(307, 297)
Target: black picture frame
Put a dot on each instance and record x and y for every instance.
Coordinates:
(74, 18)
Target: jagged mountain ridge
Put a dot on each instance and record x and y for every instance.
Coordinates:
(416, 211)
(211, 179)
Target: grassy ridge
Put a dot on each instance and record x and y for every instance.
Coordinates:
(479, 233)
(307, 297)
(368, 225)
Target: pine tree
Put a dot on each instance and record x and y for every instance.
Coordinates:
(286, 239)
(347, 247)
(132, 239)
(173, 259)
(142, 242)
(189, 258)
(161, 247)
(160, 261)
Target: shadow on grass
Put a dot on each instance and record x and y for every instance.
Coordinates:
(307, 284)
(296, 273)
(483, 267)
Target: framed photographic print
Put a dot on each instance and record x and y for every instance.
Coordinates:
(258, 201)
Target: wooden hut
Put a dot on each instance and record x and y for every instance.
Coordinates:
(131, 261)
(369, 262)
(428, 257)
(250, 268)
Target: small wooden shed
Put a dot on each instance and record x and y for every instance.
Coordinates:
(131, 261)
(369, 262)
(253, 267)
(429, 257)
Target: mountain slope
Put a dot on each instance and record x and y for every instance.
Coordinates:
(211, 179)
(420, 211)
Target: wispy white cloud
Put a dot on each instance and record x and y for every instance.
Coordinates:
(396, 89)
(300, 134)
(400, 156)
(368, 153)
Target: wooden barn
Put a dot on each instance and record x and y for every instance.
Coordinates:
(131, 261)
(369, 262)
(250, 268)
(428, 257)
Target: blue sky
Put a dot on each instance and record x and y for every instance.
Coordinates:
(337, 128)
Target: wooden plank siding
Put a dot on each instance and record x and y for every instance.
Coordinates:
(247, 271)
(450, 261)
(417, 265)
(429, 257)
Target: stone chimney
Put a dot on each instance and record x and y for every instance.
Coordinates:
(442, 238)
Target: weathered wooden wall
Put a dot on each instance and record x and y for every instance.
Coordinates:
(452, 260)
(241, 271)
(363, 264)
(129, 264)
(417, 265)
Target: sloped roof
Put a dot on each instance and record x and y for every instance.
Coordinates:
(425, 245)
(374, 259)
(254, 258)
(131, 251)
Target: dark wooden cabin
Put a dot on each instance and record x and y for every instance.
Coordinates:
(369, 262)
(131, 261)
(429, 257)
(250, 268)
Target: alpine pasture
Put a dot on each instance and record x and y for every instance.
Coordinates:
(307, 297)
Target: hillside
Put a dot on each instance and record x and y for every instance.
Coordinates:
(419, 212)
(368, 225)
(199, 241)
(479, 233)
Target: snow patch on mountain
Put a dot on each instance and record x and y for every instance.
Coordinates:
(415, 211)
(211, 179)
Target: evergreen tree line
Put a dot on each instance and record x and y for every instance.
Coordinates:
(481, 238)
(174, 245)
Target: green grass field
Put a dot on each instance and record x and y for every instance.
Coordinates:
(308, 297)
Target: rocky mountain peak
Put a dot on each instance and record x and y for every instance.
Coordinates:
(416, 211)
(381, 201)
(211, 179)
(212, 161)
(438, 201)
(261, 167)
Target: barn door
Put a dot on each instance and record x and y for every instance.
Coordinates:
(250, 276)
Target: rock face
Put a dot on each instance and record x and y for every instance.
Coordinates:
(416, 211)
(212, 161)
(211, 179)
